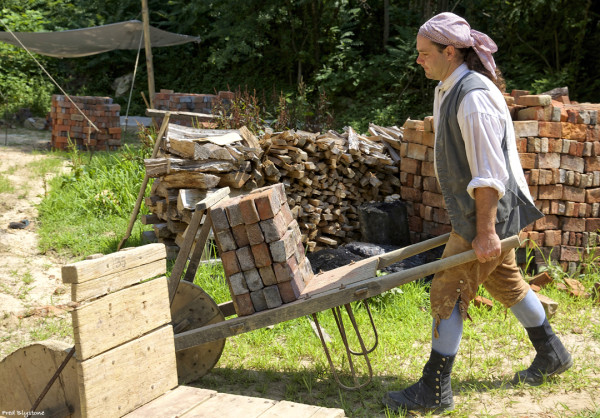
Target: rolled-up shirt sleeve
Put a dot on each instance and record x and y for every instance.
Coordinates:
(483, 132)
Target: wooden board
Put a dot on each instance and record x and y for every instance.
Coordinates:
(341, 277)
(174, 403)
(25, 373)
(85, 270)
(117, 281)
(286, 409)
(226, 405)
(129, 376)
(120, 317)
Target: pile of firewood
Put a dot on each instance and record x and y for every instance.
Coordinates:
(326, 176)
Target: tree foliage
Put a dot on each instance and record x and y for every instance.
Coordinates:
(353, 59)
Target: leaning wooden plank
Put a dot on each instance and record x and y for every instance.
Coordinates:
(227, 405)
(129, 376)
(174, 403)
(117, 281)
(286, 409)
(193, 149)
(85, 270)
(120, 317)
(158, 167)
(156, 112)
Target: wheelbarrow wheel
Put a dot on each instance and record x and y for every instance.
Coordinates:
(193, 308)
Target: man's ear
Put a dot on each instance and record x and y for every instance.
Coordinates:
(450, 52)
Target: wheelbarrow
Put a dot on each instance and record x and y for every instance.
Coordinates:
(204, 338)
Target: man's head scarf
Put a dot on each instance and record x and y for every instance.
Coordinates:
(450, 29)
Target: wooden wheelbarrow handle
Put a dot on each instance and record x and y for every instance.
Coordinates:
(402, 277)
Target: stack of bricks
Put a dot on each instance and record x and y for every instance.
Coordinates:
(260, 245)
(559, 147)
(190, 102)
(68, 124)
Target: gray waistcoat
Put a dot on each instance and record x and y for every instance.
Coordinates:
(515, 210)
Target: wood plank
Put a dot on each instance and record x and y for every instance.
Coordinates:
(85, 270)
(129, 376)
(286, 409)
(192, 180)
(120, 317)
(174, 403)
(341, 277)
(156, 112)
(117, 281)
(226, 405)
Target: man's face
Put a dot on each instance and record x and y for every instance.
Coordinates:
(436, 63)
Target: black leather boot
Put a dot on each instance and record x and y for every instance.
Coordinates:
(432, 393)
(552, 357)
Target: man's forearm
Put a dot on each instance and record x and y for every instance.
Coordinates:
(486, 206)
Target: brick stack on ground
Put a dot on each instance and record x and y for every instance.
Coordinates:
(190, 102)
(559, 147)
(68, 124)
(260, 245)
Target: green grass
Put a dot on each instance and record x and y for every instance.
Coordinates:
(6, 185)
(87, 210)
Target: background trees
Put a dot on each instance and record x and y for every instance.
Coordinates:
(354, 57)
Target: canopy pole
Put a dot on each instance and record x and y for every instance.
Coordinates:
(148, 47)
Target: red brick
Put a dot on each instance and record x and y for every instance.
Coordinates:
(240, 236)
(253, 280)
(525, 129)
(410, 194)
(535, 113)
(570, 162)
(529, 160)
(218, 218)
(574, 131)
(248, 210)
(573, 224)
(288, 216)
(429, 139)
(230, 263)
(409, 165)
(435, 200)
(245, 258)
(548, 160)
(267, 204)
(413, 136)
(268, 275)
(273, 229)
(262, 256)
(569, 253)
(593, 133)
(234, 214)
(225, 240)
(547, 222)
(415, 223)
(428, 124)
(255, 235)
(243, 304)
(287, 292)
(573, 194)
(552, 238)
(533, 100)
(416, 151)
(550, 192)
(283, 248)
(550, 129)
(592, 164)
(592, 224)
(592, 195)
(287, 270)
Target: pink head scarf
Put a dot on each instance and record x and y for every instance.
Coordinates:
(450, 29)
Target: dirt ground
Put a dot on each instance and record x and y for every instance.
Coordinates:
(31, 290)
(33, 298)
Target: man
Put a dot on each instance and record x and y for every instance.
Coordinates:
(487, 198)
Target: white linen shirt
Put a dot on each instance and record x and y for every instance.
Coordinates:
(483, 117)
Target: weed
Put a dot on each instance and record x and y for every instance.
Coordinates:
(6, 185)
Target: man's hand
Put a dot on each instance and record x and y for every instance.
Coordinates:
(487, 247)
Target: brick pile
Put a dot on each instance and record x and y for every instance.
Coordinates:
(69, 124)
(190, 102)
(260, 246)
(559, 147)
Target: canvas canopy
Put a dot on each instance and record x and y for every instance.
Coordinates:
(95, 40)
